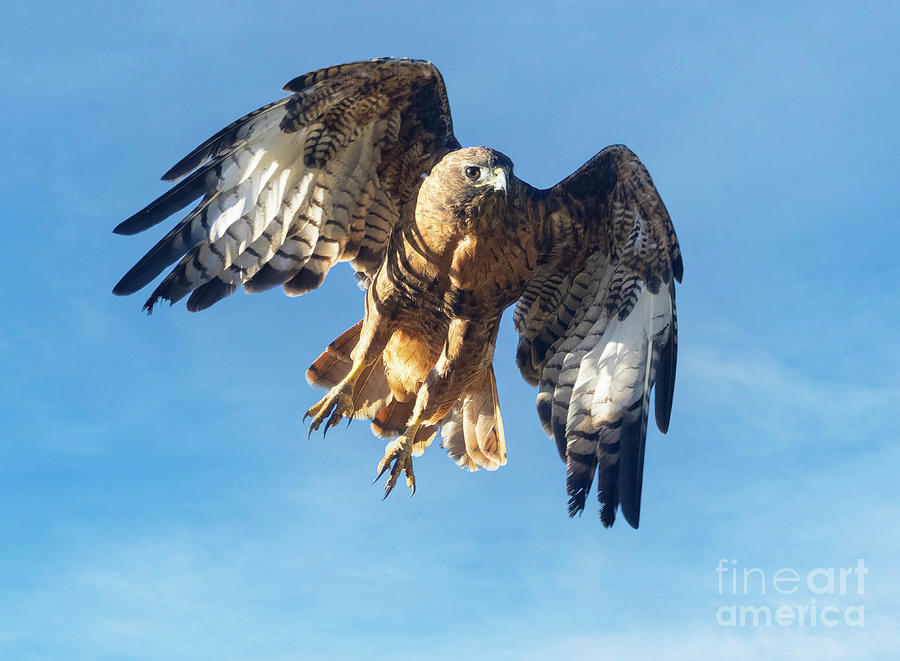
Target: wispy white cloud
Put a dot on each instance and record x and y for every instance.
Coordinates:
(182, 598)
(749, 391)
(707, 641)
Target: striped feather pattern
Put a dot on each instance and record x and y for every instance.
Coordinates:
(332, 173)
(597, 327)
(298, 185)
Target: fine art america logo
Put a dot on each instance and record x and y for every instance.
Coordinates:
(825, 596)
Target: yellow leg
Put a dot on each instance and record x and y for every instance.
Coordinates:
(338, 403)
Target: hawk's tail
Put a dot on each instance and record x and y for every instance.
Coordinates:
(472, 433)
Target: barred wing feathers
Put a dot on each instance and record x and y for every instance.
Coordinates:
(597, 326)
(292, 188)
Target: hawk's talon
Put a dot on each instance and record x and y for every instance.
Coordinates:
(397, 457)
(335, 405)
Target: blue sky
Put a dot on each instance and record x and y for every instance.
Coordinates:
(159, 497)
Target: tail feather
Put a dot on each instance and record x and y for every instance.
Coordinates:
(470, 415)
(391, 420)
(371, 392)
(472, 433)
(334, 364)
(423, 439)
(494, 444)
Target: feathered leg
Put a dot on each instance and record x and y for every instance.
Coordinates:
(339, 402)
(468, 352)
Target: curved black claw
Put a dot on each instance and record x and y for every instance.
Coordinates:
(397, 457)
(335, 405)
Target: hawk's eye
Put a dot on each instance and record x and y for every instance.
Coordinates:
(472, 172)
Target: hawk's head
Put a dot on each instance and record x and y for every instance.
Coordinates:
(472, 184)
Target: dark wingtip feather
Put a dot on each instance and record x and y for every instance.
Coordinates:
(576, 504)
(188, 163)
(124, 287)
(209, 294)
(558, 427)
(172, 289)
(665, 375)
(122, 228)
(305, 281)
(608, 494)
(677, 267)
(151, 302)
(167, 251)
(157, 211)
(174, 199)
(665, 386)
(266, 278)
(631, 468)
(578, 492)
(580, 469)
(526, 367)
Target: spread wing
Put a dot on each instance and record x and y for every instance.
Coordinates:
(288, 190)
(598, 328)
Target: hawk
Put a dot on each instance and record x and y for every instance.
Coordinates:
(360, 164)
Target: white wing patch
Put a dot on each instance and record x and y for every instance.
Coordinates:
(267, 217)
(597, 326)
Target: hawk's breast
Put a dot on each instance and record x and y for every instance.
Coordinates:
(488, 272)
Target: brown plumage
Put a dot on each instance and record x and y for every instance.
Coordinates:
(360, 164)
